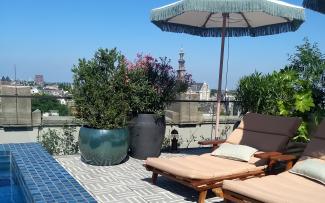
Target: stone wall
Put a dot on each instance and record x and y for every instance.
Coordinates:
(15, 110)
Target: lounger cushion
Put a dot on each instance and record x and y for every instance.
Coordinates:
(285, 187)
(311, 168)
(201, 167)
(258, 140)
(264, 132)
(234, 151)
(316, 148)
(286, 126)
(320, 131)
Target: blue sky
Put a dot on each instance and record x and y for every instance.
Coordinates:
(48, 37)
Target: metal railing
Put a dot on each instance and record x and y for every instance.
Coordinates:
(28, 111)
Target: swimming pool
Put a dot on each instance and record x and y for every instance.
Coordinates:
(10, 191)
(39, 176)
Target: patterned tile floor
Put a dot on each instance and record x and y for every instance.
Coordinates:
(130, 182)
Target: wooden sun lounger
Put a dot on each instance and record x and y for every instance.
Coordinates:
(202, 186)
(230, 196)
(315, 149)
(253, 130)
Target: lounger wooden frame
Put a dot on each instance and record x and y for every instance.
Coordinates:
(202, 186)
(215, 184)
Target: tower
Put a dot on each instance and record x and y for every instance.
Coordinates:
(181, 66)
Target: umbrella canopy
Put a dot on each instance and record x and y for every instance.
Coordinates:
(316, 5)
(246, 17)
(233, 18)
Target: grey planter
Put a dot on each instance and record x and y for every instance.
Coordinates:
(147, 132)
(103, 147)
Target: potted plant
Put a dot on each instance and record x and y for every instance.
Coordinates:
(153, 85)
(100, 91)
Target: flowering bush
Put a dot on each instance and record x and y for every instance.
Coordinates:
(153, 84)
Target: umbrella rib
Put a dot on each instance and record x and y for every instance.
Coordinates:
(207, 20)
(242, 15)
(168, 19)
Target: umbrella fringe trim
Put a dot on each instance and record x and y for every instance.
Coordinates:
(227, 6)
(230, 32)
(316, 5)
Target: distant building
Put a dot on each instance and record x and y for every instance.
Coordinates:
(186, 112)
(39, 80)
(34, 90)
(181, 72)
(53, 90)
(62, 101)
(51, 113)
(199, 91)
(5, 81)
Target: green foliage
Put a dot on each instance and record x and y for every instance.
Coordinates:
(65, 86)
(153, 84)
(57, 143)
(45, 104)
(101, 90)
(213, 92)
(302, 135)
(296, 90)
(309, 63)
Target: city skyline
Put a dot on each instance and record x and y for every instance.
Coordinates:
(49, 37)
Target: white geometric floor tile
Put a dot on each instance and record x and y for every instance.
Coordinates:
(129, 182)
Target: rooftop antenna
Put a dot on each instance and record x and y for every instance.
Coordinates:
(16, 94)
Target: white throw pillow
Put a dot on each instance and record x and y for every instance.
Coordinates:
(310, 168)
(234, 151)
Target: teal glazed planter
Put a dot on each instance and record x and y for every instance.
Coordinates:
(103, 147)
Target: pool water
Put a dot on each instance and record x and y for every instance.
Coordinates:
(10, 192)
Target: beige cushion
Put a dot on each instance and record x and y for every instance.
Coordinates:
(286, 126)
(285, 187)
(261, 141)
(234, 151)
(201, 167)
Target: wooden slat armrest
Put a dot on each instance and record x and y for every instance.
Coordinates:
(266, 155)
(284, 157)
(211, 142)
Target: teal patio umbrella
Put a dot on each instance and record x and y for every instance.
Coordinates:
(316, 5)
(228, 18)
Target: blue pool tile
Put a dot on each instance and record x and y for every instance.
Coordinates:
(41, 177)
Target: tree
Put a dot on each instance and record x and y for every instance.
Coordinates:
(309, 63)
(45, 104)
(296, 90)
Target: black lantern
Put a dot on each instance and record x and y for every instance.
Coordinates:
(174, 146)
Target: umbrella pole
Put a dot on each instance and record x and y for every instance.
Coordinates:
(219, 93)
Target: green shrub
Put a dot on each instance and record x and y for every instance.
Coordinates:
(296, 90)
(57, 143)
(100, 90)
(45, 104)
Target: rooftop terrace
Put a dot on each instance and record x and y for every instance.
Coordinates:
(130, 182)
